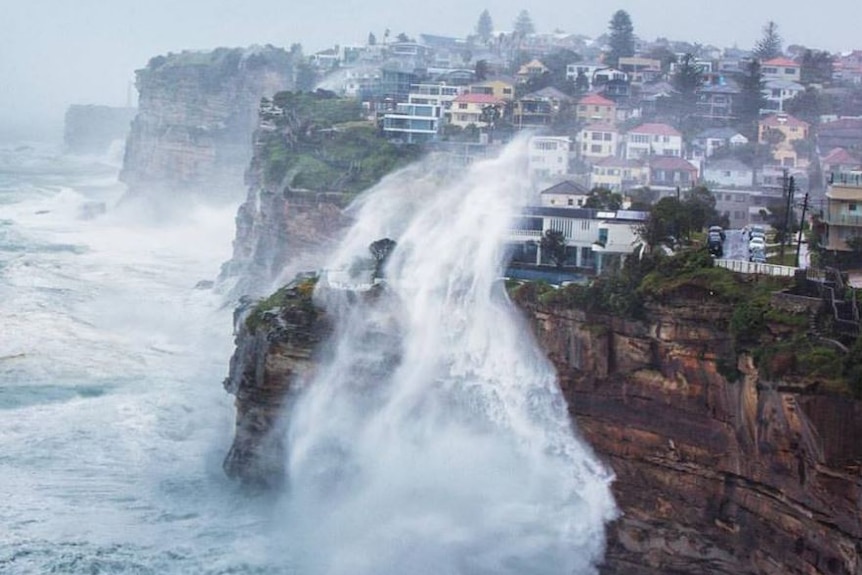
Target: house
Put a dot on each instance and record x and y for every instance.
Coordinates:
(549, 156)
(440, 95)
(618, 174)
(839, 160)
(656, 97)
(588, 69)
(539, 108)
(640, 70)
(532, 69)
(843, 213)
(848, 67)
(474, 109)
(707, 142)
(652, 139)
(742, 206)
(566, 194)
(590, 235)
(728, 173)
(598, 140)
(501, 88)
(671, 172)
(412, 123)
(780, 68)
(778, 92)
(596, 108)
(780, 131)
(841, 133)
(715, 101)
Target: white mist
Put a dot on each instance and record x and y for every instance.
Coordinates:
(435, 439)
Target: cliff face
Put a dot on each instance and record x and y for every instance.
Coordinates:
(712, 476)
(313, 154)
(196, 115)
(92, 129)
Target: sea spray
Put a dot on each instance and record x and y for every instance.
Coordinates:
(434, 438)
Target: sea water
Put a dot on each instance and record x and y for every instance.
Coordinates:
(441, 445)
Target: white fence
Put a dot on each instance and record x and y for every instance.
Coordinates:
(744, 267)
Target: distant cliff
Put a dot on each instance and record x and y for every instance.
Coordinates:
(722, 466)
(197, 112)
(313, 153)
(92, 129)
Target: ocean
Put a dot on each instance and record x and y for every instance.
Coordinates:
(113, 420)
(433, 439)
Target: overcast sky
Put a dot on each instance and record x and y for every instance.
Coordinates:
(57, 52)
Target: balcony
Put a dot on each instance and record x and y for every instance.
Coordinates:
(842, 219)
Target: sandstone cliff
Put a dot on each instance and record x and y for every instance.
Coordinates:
(718, 470)
(313, 154)
(713, 476)
(196, 115)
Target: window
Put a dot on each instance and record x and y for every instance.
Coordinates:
(603, 236)
(851, 207)
(790, 70)
(462, 106)
(607, 137)
(596, 136)
(571, 201)
(596, 148)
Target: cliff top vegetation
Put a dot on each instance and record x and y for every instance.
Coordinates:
(323, 143)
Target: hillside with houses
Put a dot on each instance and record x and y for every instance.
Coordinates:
(645, 119)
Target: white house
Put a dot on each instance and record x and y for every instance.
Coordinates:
(469, 109)
(728, 173)
(549, 156)
(566, 194)
(590, 234)
(707, 142)
(652, 140)
(781, 68)
(778, 92)
(413, 123)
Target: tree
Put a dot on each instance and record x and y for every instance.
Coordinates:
(603, 199)
(485, 26)
(806, 106)
(402, 37)
(554, 247)
(306, 77)
(664, 55)
(372, 39)
(380, 252)
(622, 38)
(524, 24)
(480, 70)
(769, 45)
(686, 80)
(750, 101)
(817, 67)
(582, 83)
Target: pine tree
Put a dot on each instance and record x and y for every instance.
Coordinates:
(524, 24)
(485, 26)
(622, 38)
(686, 80)
(750, 101)
(769, 46)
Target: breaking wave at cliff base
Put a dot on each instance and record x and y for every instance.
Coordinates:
(435, 439)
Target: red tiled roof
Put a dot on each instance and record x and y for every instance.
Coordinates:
(780, 61)
(783, 120)
(839, 156)
(478, 99)
(655, 130)
(671, 163)
(596, 100)
(613, 162)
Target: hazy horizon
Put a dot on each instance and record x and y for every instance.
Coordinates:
(57, 53)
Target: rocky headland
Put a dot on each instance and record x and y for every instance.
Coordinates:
(313, 153)
(196, 115)
(733, 440)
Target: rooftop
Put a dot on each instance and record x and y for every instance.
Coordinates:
(478, 99)
(783, 120)
(654, 129)
(567, 187)
(671, 163)
(596, 100)
(780, 61)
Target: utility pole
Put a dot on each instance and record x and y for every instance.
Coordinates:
(801, 225)
(788, 209)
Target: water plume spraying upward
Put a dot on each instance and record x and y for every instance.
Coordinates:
(435, 439)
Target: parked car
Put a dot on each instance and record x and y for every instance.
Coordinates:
(757, 243)
(757, 231)
(715, 244)
(719, 230)
(757, 256)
